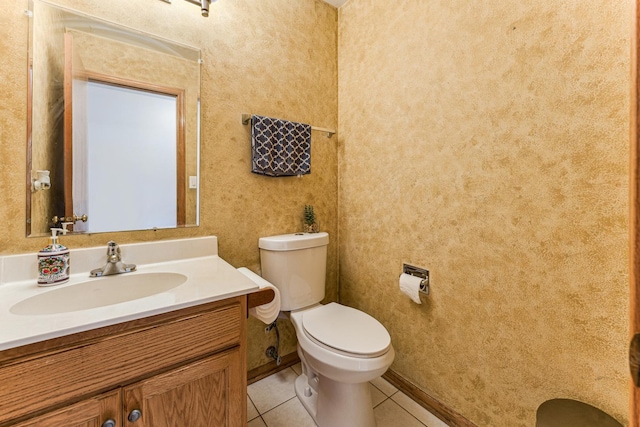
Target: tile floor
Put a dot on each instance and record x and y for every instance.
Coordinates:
(272, 402)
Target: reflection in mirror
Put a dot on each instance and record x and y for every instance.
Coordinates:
(114, 118)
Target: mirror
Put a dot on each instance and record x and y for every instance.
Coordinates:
(113, 126)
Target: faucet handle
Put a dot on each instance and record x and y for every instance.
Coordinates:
(114, 263)
(113, 251)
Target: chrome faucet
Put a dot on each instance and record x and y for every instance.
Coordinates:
(114, 263)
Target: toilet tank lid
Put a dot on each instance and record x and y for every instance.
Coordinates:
(294, 241)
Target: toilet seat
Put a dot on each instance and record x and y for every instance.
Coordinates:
(346, 330)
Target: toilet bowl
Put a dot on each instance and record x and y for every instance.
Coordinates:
(572, 413)
(338, 365)
(341, 348)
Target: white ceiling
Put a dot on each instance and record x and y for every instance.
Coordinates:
(336, 3)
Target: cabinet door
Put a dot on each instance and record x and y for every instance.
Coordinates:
(94, 412)
(206, 393)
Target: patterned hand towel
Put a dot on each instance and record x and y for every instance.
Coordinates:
(280, 147)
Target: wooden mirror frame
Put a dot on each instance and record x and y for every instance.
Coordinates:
(634, 207)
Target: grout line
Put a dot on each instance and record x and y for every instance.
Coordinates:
(383, 393)
(411, 415)
(288, 400)
(388, 395)
(270, 409)
(399, 405)
(406, 410)
(280, 404)
(385, 399)
(378, 388)
(254, 407)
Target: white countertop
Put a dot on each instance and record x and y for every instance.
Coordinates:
(209, 278)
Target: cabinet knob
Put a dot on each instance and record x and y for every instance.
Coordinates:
(134, 415)
(109, 423)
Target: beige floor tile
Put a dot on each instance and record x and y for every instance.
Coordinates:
(297, 368)
(417, 411)
(289, 414)
(269, 392)
(256, 422)
(377, 397)
(384, 386)
(390, 414)
(252, 412)
(274, 398)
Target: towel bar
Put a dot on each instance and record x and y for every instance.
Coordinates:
(246, 119)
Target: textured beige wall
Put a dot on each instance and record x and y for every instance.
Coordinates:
(275, 58)
(488, 142)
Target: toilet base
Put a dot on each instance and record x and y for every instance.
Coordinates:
(336, 404)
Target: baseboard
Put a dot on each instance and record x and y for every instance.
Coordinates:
(264, 371)
(437, 408)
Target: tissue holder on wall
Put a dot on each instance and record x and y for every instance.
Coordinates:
(414, 282)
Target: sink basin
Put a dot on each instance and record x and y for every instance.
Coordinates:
(99, 292)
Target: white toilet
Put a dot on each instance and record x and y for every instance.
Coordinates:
(341, 348)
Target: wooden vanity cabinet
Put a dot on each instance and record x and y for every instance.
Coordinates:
(194, 395)
(93, 412)
(181, 369)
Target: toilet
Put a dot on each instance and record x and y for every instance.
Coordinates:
(572, 413)
(341, 348)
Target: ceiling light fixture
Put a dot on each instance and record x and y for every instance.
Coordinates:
(204, 5)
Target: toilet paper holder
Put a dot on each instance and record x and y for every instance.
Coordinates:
(418, 272)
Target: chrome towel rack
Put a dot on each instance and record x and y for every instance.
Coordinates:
(246, 119)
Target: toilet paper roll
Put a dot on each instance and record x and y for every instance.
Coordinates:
(410, 286)
(268, 312)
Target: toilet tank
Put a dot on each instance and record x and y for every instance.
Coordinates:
(295, 264)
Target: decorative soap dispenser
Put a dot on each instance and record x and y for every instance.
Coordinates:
(53, 261)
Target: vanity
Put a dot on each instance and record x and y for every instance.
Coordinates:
(176, 357)
(164, 345)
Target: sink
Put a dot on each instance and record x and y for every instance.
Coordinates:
(99, 292)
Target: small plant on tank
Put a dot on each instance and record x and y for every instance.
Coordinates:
(310, 224)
